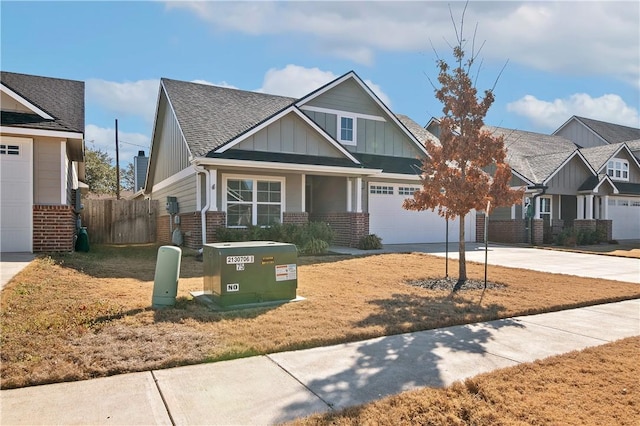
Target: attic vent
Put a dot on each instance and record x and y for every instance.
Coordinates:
(9, 149)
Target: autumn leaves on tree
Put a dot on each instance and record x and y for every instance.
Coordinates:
(467, 168)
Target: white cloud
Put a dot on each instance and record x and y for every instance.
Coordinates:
(136, 98)
(129, 143)
(577, 38)
(296, 81)
(551, 114)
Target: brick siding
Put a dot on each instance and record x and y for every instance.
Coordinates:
(584, 224)
(349, 227)
(298, 218)
(508, 231)
(607, 226)
(54, 228)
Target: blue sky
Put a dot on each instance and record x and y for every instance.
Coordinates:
(564, 58)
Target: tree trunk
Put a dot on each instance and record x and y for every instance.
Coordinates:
(462, 260)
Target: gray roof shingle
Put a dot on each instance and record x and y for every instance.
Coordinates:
(534, 155)
(612, 133)
(60, 98)
(211, 116)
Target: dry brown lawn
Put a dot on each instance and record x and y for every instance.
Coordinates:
(85, 315)
(597, 386)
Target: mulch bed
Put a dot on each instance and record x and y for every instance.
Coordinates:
(448, 283)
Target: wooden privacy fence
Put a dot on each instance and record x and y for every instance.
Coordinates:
(120, 221)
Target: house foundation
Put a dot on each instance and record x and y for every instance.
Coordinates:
(54, 228)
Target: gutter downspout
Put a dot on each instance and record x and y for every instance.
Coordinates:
(203, 212)
(543, 189)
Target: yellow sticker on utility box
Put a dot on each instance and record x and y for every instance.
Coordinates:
(286, 272)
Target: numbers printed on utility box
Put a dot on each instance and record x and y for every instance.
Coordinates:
(234, 260)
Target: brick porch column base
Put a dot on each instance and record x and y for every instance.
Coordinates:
(349, 227)
(297, 218)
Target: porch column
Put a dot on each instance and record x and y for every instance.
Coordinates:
(605, 208)
(358, 195)
(589, 210)
(349, 183)
(580, 209)
(303, 183)
(513, 211)
(213, 183)
(536, 208)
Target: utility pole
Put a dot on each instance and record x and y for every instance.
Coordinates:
(117, 165)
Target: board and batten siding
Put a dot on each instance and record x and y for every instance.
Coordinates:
(580, 135)
(569, 178)
(634, 173)
(372, 136)
(183, 189)
(348, 96)
(171, 153)
(290, 135)
(47, 171)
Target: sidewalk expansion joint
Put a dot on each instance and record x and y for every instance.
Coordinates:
(328, 404)
(164, 401)
(568, 332)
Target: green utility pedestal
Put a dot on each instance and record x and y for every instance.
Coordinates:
(165, 284)
(250, 272)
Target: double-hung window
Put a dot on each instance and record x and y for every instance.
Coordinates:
(254, 201)
(618, 169)
(347, 129)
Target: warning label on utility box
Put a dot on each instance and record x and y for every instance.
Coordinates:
(286, 272)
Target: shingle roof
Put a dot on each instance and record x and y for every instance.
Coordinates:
(62, 99)
(211, 116)
(534, 155)
(597, 156)
(422, 134)
(612, 133)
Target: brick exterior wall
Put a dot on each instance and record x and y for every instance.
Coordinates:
(607, 226)
(480, 217)
(54, 228)
(190, 225)
(584, 224)
(215, 220)
(298, 218)
(349, 227)
(538, 232)
(508, 231)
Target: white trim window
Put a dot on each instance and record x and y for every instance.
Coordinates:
(618, 169)
(253, 201)
(380, 189)
(9, 149)
(347, 129)
(545, 209)
(407, 190)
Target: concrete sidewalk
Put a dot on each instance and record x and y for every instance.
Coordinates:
(283, 386)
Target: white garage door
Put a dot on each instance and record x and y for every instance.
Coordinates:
(16, 196)
(625, 215)
(395, 225)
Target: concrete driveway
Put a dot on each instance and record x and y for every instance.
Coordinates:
(557, 262)
(11, 264)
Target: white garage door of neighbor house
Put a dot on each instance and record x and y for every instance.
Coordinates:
(16, 195)
(624, 213)
(395, 225)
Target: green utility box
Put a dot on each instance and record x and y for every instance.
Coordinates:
(250, 272)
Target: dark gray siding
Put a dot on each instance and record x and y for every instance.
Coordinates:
(580, 135)
(569, 178)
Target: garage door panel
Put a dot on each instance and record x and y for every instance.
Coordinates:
(624, 213)
(16, 198)
(395, 225)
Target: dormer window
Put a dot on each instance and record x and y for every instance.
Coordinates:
(347, 129)
(618, 169)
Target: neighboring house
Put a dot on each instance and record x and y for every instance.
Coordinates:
(567, 187)
(41, 162)
(223, 157)
(586, 132)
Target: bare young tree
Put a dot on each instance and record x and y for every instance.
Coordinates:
(467, 168)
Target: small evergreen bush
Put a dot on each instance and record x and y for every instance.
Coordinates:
(370, 242)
